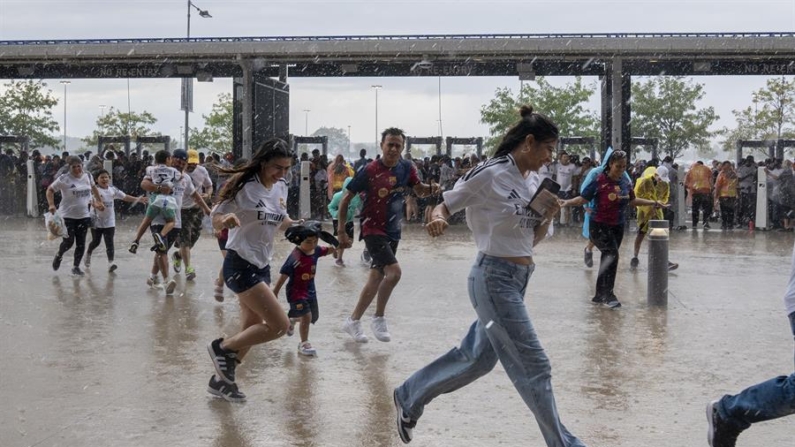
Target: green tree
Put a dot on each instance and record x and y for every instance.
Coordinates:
(666, 108)
(566, 106)
(216, 135)
(338, 142)
(26, 110)
(771, 117)
(116, 123)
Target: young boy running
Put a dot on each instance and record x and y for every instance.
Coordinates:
(161, 202)
(300, 268)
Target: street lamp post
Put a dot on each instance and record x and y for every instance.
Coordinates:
(65, 83)
(350, 145)
(306, 122)
(187, 83)
(376, 87)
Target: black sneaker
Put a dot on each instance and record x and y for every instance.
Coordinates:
(112, 268)
(77, 272)
(56, 262)
(224, 361)
(160, 243)
(597, 300)
(719, 432)
(405, 425)
(588, 257)
(612, 302)
(706, 226)
(176, 261)
(227, 391)
(672, 266)
(133, 247)
(634, 263)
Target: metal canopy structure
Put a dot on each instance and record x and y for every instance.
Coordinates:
(645, 142)
(645, 54)
(436, 141)
(22, 141)
(323, 141)
(103, 141)
(253, 61)
(477, 141)
(741, 144)
(165, 140)
(581, 141)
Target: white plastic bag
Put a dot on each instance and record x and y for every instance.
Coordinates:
(207, 224)
(55, 225)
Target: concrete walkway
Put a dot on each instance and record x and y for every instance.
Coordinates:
(104, 361)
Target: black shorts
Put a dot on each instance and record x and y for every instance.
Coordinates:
(348, 228)
(382, 251)
(171, 238)
(241, 275)
(299, 308)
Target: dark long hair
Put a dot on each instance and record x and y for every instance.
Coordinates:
(531, 123)
(270, 150)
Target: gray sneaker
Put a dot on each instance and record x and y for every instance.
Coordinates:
(405, 425)
(224, 390)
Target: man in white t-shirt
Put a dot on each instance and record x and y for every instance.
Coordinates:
(564, 172)
(181, 187)
(192, 214)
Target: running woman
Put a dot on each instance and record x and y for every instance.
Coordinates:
(76, 188)
(105, 226)
(253, 206)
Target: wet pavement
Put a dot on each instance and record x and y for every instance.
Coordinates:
(104, 361)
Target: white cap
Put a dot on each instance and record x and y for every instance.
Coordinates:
(662, 172)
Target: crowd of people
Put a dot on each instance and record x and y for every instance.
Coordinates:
(252, 202)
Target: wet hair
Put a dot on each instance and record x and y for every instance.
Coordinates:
(270, 150)
(393, 131)
(297, 234)
(102, 171)
(616, 156)
(74, 160)
(362, 152)
(531, 123)
(161, 156)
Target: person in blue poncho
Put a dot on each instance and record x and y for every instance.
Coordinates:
(611, 193)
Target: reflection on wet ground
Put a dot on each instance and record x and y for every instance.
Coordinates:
(102, 360)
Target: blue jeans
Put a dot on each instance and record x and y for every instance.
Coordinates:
(504, 332)
(772, 399)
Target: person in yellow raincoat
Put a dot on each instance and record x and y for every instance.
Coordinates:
(652, 185)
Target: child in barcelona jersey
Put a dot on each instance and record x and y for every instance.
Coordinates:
(300, 269)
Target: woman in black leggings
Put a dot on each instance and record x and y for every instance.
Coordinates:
(76, 188)
(105, 225)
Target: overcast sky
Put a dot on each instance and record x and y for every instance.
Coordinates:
(412, 104)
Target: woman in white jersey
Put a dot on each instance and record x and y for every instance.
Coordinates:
(105, 226)
(76, 188)
(496, 195)
(253, 206)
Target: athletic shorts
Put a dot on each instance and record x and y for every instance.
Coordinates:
(382, 251)
(241, 275)
(299, 308)
(162, 205)
(171, 238)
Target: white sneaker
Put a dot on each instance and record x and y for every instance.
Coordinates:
(170, 287)
(153, 281)
(380, 330)
(354, 329)
(305, 348)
